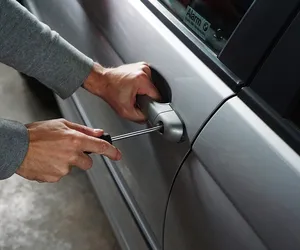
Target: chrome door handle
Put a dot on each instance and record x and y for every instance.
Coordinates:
(162, 113)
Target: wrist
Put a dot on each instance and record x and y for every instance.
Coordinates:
(97, 80)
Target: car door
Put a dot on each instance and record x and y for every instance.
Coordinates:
(197, 81)
(239, 187)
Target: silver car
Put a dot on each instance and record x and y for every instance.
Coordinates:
(224, 174)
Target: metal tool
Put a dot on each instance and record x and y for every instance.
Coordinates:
(110, 139)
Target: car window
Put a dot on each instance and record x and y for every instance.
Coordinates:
(213, 21)
(275, 90)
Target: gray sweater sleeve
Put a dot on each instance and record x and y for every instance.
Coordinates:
(32, 48)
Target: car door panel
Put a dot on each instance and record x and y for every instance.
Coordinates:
(256, 169)
(200, 216)
(127, 32)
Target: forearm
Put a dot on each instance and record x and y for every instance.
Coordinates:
(14, 143)
(32, 48)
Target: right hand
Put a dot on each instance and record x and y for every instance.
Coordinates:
(57, 145)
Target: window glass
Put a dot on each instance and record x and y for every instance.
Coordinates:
(213, 21)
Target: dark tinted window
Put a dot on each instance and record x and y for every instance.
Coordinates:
(213, 21)
(277, 84)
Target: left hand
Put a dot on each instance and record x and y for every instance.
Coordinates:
(120, 86)
(57, 145)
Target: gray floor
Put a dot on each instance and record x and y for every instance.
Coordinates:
(36, 216)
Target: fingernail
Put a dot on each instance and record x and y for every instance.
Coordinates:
(98, 130)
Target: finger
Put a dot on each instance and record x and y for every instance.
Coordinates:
(83, 161)
(147, 88)
(136, 115)
(98, 146)
(147, 70)
(84, 129)
(144, 63)
(133, 113)
(141, 118)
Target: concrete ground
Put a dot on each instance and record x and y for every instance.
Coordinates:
(34, 216)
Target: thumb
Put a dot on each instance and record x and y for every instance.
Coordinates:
(139, 116)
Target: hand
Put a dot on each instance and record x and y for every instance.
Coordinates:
(57, 145)
(120, 86)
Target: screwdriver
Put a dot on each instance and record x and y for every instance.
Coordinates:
(107, 137)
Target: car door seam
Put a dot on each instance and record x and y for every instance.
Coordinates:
(183, 161)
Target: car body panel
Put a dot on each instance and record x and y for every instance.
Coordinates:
(200, 216)
(257, 170)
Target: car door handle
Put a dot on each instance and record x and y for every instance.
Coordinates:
(162, 113)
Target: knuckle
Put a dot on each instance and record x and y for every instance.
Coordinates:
(141, 74)
(62, 120)
(103, 147)
(147, 70)
(142, 78)
(75, 140)
(145, 67)
(69, 134)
